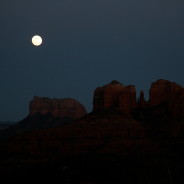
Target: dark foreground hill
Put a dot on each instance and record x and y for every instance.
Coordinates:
(123, 140)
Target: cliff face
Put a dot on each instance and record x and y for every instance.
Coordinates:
(115, 94)
(170, 93)
(57, 107)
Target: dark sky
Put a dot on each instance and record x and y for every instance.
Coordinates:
(86, 44)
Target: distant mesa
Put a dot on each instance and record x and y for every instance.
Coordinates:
(46, 113)
(67, 107)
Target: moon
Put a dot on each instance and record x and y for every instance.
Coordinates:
(37, 40)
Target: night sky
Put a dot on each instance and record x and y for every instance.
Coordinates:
(86, 44)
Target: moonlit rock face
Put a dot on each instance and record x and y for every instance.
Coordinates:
(36, 40)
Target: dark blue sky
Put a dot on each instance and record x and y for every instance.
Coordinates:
(86, 43)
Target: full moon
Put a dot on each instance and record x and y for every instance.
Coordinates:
(37, 40)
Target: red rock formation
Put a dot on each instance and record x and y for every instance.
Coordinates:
(57, 107)
(116, 95)
(141, 101)
(169, 92)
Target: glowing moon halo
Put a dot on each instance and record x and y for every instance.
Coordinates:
(37, 40)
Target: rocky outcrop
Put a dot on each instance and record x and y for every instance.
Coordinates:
(57, 107)
(115, 94)
(167, 96)
(164, 91)
(141, 101)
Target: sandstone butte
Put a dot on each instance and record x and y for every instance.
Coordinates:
(123, 98)
(67, 107)
(115, 95)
